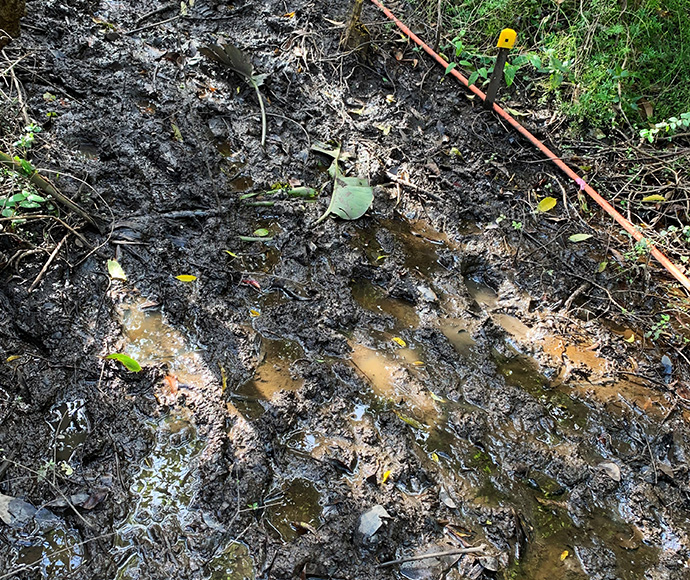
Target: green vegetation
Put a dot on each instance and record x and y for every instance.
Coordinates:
(605, 64)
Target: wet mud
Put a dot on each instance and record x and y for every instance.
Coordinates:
(334, 396)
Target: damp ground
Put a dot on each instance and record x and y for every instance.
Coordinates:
(334, 396)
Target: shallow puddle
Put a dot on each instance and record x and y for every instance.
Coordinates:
(58, 555)
(272, 376)
(151, 340)
(558, 541)
(70, 426)
(163, 492)
(295, 510)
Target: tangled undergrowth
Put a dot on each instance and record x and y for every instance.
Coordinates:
(608, 66)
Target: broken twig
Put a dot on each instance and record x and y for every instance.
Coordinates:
(456, 552)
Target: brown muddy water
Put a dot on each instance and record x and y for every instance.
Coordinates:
(392, 361)
(403, 375)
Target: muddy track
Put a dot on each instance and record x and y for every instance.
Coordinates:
(448, 361)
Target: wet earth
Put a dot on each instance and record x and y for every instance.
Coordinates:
(447, 371)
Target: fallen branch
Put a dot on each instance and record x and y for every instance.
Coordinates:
(44, 185)
(457, 552)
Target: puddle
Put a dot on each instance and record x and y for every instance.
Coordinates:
(272, 375)
(297, 505)
(482, 294)
(151, 340)
(457, 333)
(162, 492)
(375, 298)
(71, 428)
(234, 563)
(59, 553)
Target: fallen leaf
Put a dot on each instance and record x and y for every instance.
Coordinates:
(13, 357)
(129, 363)
(186, 278)
(611, 469)
(564, 555)
(370, 521)
(654, 198)
(261, 233)
(15, 512)
(254, 313)
(352, 196)
(579, 237)
(115, 270)
(445, 498)
(546, 204)
(629, 336)
(436, 398)
(231, 253)
(602, 267)
(385, 477)
(253, 283)
(418, 363)
(399, 341)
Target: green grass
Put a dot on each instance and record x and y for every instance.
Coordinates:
(618, 62)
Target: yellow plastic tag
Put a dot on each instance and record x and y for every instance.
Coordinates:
(507, 38)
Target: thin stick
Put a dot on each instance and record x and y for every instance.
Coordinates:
(47, 216)
(457, 552)
(263, 112)
(145, 27)
(47, 264)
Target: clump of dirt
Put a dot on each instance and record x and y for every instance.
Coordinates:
(445, 372)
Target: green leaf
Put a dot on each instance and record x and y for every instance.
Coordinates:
(579, 237)
(261, 233)
(115, 270)
(352, 196)
(129, 363)
(473, 78)
(509, 74)
(546, 204)
(451, 66)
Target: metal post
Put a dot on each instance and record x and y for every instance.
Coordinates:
(505, 42)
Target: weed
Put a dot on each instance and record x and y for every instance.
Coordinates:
(660, 327)
(598, 62)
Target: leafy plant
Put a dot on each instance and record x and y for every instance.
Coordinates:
(26, 141)
(669, 127)
(237, 61)
(659, 327)
(352, 196)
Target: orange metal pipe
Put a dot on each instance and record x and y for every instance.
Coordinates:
(634, 232)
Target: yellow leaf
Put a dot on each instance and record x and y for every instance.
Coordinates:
(233, 254)
(186, 278)
(418, 363)
(435, 397)
(564, 554)
(390, 99)
(289, 15)
(547, 204)
(385, 477)
(629, 336)
(399, 341)
(434, 457)
(654, 198)
(254, 313)
(115, 270)
(13, 357)
(602, 267)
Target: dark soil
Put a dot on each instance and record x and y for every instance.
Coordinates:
(450, 356)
